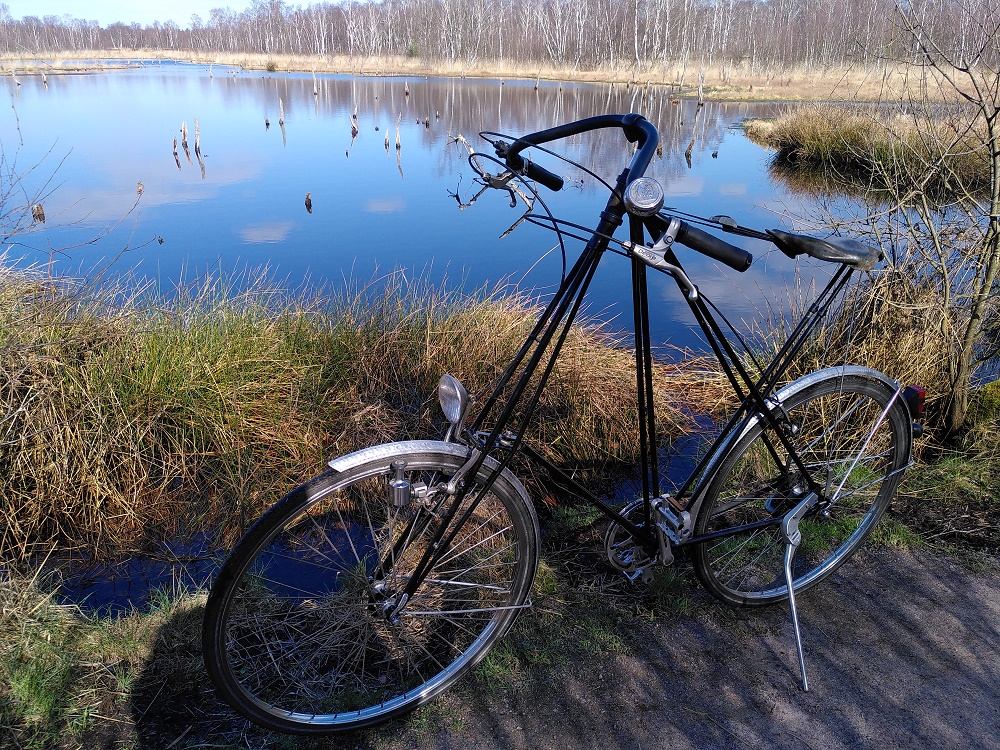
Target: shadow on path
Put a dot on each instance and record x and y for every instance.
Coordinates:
(903, 650)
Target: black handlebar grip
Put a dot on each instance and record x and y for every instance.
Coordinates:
(552, 181)
(529, 169)
(720, 250)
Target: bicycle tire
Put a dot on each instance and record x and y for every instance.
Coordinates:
(837, 433)
(294, 636)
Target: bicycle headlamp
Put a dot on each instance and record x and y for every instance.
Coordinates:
(454, 400)
(643, 197)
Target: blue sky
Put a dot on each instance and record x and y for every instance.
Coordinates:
(109, 11)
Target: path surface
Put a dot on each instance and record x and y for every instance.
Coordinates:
(903, 651)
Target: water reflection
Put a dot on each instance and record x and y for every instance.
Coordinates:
(377, 159)
(824, 183)
(132, 584)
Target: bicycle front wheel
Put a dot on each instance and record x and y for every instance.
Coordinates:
(298, 634)
(853, 440)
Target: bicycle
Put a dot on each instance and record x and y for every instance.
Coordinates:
(374, 586)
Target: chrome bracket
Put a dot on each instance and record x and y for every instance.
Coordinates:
(459, 476)
(672, 527)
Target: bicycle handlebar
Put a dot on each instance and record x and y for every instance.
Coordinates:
(635, 126)
(636, 129)
(707, 244)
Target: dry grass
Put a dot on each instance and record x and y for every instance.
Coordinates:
(125, 415)
(722, 82)
(881, 149)
(889, 320)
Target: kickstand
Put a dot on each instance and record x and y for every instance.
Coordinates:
(790, 530)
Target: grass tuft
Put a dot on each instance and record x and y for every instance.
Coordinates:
(878, 148)
(125, 414)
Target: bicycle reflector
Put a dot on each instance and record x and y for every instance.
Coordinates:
(914, 396)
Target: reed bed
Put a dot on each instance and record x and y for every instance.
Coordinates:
(934, 151)
(737, 81)
(127, 414)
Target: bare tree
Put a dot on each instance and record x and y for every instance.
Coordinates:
(765, 34)
(960, 241)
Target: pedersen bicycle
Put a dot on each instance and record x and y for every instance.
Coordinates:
(374, 586)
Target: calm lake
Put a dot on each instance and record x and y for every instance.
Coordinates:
(84, 142)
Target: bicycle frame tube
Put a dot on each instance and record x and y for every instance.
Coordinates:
(556, 319)
(755, 399)
(645, 410)
(547, 337)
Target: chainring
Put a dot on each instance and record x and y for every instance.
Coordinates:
(622, 550)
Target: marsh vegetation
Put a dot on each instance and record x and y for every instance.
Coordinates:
(129, 412)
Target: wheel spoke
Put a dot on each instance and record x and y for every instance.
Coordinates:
(310, 637)
(845, 436)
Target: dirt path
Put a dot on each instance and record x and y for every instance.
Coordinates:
(903, 651)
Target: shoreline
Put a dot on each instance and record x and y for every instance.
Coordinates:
(727, 83)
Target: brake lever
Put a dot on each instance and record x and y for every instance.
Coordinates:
(501, 182)
(728, 224)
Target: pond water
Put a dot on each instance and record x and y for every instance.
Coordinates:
(83, 143)
(90, 139)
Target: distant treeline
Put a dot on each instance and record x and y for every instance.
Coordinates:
(758, 35)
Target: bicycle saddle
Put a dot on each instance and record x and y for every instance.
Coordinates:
(834, 249)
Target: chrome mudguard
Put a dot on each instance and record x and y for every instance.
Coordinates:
(386, 450)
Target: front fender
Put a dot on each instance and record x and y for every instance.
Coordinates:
(461, 452)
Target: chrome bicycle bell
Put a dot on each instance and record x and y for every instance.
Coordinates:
(643, 197)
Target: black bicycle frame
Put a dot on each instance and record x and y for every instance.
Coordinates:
(752, 393)
(548, 336)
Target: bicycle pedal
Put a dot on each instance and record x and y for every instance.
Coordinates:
(645, 574)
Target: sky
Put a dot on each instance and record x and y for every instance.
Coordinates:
(109, 11)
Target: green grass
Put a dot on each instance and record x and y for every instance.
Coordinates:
(951, 499)
(63, 673)
(893, 533)
(669, 593)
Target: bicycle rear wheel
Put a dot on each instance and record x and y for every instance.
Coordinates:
(296, 636)
(852, 448)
